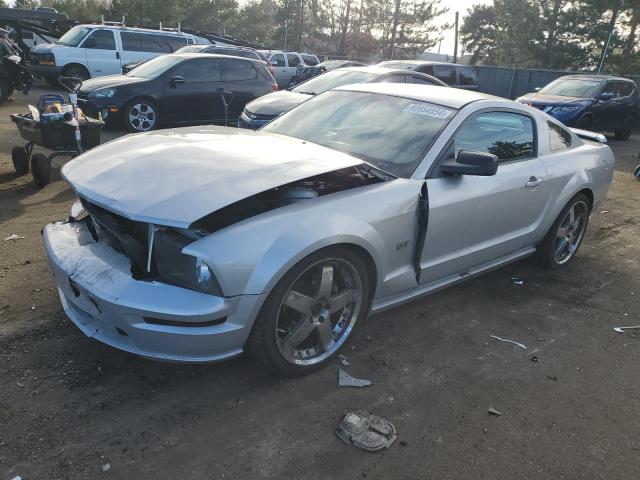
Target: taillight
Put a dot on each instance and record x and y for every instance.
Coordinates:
(274, 87)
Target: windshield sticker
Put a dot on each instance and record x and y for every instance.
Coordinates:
(427, 110)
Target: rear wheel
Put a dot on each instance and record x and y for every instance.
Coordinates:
(40, 169)
(560, 245)
(312, 312)
(625, 132)
(20, 160)
(141, 115)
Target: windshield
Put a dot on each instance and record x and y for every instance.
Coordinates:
(154, 67)
(330, 80)
(572, 88)
(73, 37)
(391, 133)
(401, 65)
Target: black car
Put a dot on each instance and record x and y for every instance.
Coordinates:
(304, 72)
(229, 50)
(14, 75)
(262, 110)
(454, 75)
(177, 89)
(590, 102)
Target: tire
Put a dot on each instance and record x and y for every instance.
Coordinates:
(585, 123)
(550, 251)
(40, 169)
(291, 342)
(76, 71)
(636, 173)
(137, 115)
(625, 132)
(20, 160)
(4, 90)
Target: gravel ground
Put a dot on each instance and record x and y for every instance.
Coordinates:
(70, 405)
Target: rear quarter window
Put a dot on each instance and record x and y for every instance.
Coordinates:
(559, 138)
(238, 70)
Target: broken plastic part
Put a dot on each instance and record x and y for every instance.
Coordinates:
(493, 411)
(366, 431)
(622, 329)
(346, 380)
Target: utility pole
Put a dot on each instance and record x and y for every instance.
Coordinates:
(614, 17)
(455, 46)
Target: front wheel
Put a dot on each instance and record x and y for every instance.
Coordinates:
(40, 169)
(560, 245)
(141, 115)
(76, 71)
(312, 312)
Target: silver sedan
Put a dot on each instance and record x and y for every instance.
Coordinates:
(196, 244)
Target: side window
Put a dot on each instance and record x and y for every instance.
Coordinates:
(428, 69)
(395, 78)
(509, 136)
(100, 40)
(293, 60)
(238, 70)
(445, 73)
(174, 42)
(622, 89)
(310, 60)
(160, 43)
(278, 60)
(131, 42)
(467, 76)
(419, 80)
(610, 87)
(198, 70)
(559, 138)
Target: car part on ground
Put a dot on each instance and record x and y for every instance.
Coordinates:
(366, 431)
(321, 223)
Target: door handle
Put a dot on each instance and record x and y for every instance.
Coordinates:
(533, 182)
(118, 55)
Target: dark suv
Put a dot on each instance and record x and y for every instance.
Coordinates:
(454, 75)
(590, 102)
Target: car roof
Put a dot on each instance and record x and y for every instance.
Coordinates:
(447, 97)
(595, 77)
(375, 69)
(423, 62)
(212, 55)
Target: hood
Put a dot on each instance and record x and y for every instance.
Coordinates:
(175, 177)
(46, 47)
(277, 102)
(545, 99)
(109, 81)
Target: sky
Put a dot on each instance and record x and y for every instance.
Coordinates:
(461, 6)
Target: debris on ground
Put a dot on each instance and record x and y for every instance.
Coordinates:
(367, 338)
(106, 467)
(366, 431)
(535, 358)
(17, 477)
(517, 281)
(13, 237)
(344, 360)
(346, 380)
(604, 211)
(622, 329)
(517, 344)
(552, 377)
(493, 411)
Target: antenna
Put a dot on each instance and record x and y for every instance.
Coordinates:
(160, 26)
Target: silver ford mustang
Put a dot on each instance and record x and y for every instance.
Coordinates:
(195, 244)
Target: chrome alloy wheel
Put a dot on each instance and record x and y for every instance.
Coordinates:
(570, 232)
(142, 117)
(318, 311)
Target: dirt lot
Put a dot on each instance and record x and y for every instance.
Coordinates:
(69, 405)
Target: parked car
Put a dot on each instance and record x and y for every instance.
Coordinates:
(591, 102)
(285, 64)
(14, 75)
(174, 89)
(264, 109)
(201, 243)
(454, 75)
(304, 73)
(230, 50)
(89, 51)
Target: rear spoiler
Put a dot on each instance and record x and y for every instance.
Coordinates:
(587, 135)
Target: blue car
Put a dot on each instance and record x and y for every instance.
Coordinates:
(591, 102)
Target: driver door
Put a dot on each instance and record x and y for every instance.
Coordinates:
(101, 54)
(474, 220)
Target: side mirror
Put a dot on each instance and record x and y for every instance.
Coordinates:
(471, 163)
(606, 96)
(176, 80)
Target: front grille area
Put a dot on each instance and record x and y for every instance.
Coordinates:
(259, 116)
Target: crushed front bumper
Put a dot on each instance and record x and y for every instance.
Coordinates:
(151, 319)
